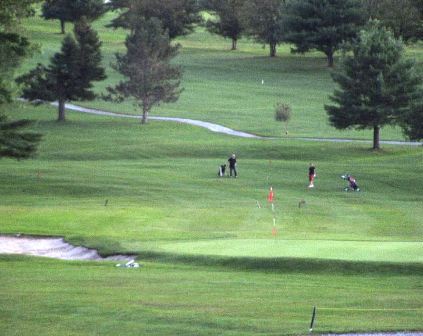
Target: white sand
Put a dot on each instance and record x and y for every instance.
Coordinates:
(51, 247)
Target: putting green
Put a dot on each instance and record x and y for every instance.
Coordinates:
(325, 249)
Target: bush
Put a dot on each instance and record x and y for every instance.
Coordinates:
(283, 113)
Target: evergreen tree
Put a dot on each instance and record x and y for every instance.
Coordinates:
(264, 21)
(403, 17)
(323, 25)
(15, 141)
(89, 59)
(178, 17)
(377, 85)
(228, 23)
(70, 72)
(149, 76)
(72, 11)
(412, 121)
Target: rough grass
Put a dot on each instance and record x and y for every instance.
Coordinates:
(165, 203)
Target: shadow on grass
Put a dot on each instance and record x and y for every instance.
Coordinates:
(289, 265)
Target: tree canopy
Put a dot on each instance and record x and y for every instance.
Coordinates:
(70, 72)
(177, 17)
(323, 25)
(403, 17)
(72, 11)
(15, 141)
(228, 23)
(264, 21)
(149, 76)
(377, 85)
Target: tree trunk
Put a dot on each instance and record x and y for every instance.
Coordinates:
(376, 137)
(234, 41)
(329, 56)
(62, 26)
(144, 114)
(272, 49)
(61, 116)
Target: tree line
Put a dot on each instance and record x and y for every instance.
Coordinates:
(376, 84)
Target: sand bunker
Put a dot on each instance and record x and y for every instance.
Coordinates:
(52, 248)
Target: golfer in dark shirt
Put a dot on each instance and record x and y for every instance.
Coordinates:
(232, 165)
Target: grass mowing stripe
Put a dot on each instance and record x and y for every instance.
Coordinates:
(371, 309)
(325, 249)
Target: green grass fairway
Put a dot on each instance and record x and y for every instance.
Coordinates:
(321, 249)
(211, 265)
(83, 298)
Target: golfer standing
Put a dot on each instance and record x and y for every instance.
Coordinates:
(232, 165)
(311, 175)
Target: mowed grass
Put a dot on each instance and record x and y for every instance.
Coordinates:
(86, 298)
(211, 265)
(226, 87)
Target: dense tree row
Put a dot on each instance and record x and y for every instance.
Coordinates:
(322, 25)
(391, 87)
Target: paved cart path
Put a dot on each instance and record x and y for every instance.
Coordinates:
(222, 129)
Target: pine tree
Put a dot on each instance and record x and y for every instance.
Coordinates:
(412, 121)
(323, 25)
(89, 59)
(229, 22)
(149, 76)
(177, 17)
(264, 21)
(72, 11)
(15, 142)
(70, 72)
(403, 17)
(377, 85)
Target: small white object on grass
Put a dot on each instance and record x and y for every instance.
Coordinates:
(262, 81)
(129, 264)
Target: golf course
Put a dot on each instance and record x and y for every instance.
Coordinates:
(216, 257)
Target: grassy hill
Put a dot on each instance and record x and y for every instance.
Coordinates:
(211, 265)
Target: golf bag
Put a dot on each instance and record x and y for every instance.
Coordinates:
(352, 183)
(221, 171)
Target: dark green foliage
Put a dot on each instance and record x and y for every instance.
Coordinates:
(72, 11)
(323, 24)
(403, 17)
(378, 86)
(89, 59)
(70, 72)
(149, 77)
(178, 17)
(264, 20)
(228, 23)
(412, 121)
(15, 142)
(13, 46)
